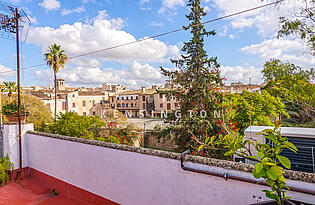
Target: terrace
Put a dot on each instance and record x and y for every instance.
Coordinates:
(82, 171)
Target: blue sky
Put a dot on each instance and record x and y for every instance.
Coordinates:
(242, 43)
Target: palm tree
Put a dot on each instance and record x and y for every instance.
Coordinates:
(10, 87)
(55, 58)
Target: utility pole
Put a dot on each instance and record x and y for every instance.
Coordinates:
(16, 31)
(10, 24)
(17, 17)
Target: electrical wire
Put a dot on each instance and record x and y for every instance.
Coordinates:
(158, 35)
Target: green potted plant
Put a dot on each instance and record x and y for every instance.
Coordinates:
(269, 162)
(10, 111)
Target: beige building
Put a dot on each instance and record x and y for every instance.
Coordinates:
(96, 101)
(142, 103)
(240, 87)
(83, 101)
(91, 102)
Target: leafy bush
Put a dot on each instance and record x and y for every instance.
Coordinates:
(125, 135)
(5, 167)
(93, 128)
(74, 125)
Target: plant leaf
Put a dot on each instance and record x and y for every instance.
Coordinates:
(284, 161)
(259, 167)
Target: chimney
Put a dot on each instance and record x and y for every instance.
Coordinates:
(142, 89)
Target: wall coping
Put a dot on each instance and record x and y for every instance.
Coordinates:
(289, 174)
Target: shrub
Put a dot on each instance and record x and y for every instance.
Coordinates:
(5, 167)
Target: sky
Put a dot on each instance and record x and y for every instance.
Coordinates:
(242, 44)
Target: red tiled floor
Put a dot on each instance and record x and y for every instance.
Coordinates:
(16, 194)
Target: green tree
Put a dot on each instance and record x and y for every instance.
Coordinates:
(295, 88)
(55, 58)
(38, 113)
(302, 24)
(253, 108)
(195, 84)
(93, 128)
(74, 125)
(10, 87)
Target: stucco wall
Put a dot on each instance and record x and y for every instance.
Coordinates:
(11, 143)
(129, 175)
(133, 178)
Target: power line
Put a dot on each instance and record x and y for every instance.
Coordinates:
(156, 36)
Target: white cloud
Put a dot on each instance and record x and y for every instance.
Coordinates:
(266, 20)
(102, 32)
(33, 20)
(144, 1)
(156, 24)
(78, 10)
(171, 4)
(224, 32)
(231, 36)
(5, 72)
(240, 73)
(283, 49)
(133, 75)
(50, 4)
(206, 9)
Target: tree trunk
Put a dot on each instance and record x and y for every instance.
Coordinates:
(55, 95)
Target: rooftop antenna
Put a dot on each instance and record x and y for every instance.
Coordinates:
(13, 22)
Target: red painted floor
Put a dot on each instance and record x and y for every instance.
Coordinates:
(31, 194)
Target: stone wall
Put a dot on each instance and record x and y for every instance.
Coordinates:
(151, 141)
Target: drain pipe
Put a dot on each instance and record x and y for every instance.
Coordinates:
(235, 176)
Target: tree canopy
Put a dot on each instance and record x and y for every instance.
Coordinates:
(38, 113)
(294, 86)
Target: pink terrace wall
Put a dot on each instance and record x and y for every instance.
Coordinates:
(134, 178)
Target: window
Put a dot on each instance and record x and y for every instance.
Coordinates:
(127, 98)
(168, 106)
(131, 104)
(83, 103)
(122, 98)
(123, 105)
(84, 113)
(118, 105)
(93, 102)
(161, 95)
(143, 98)
(126, 104)
(94, 113)
(73, 96)
(143, 105)
(161, 105)
(136, 97)
(131, 98)
(73, 104)
(64, 105)
(112, 99)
